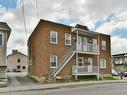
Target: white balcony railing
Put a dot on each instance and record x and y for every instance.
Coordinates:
(85, 70)
(87, 47)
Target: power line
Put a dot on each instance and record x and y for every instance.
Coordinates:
(24, 20)
(37, 9)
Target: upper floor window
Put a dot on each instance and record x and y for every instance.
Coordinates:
(1, 39)
(67, 39)
(18, 60)
(53, 37)
(53, 61)
(103, 45)
(102, 63)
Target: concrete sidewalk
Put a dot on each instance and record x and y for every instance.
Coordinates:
(57, 85)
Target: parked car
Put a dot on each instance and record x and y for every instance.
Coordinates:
(125, 74)
(114, 73)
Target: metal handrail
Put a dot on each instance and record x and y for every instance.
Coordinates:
(88, 46)
(73, 47)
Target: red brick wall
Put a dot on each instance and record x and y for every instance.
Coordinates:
(40, 49)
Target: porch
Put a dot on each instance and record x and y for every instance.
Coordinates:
(87, 48)
(85, 70)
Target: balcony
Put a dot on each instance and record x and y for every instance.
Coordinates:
(87, 48)
(85, 70)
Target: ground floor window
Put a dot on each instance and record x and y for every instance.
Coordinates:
(53, 61)
(18, 66)
(23, 67)
(102, 63)
(1, 39)
(80, 61)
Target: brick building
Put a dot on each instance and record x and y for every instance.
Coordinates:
(56, 49)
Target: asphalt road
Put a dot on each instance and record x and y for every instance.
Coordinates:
(19, 79)
(100, 89)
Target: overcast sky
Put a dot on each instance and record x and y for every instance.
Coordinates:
(105, 16)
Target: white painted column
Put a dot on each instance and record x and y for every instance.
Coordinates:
(76, 77)
(98, 58)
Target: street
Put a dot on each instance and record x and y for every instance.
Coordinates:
(99, 89)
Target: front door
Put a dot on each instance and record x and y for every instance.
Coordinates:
(80, 61)
(90, 64)
(84, 44)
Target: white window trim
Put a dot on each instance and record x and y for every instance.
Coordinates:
(82, 59)
(2, 39)
(101, 63)
(56, 37)
(102, 45)
(65, 39)
(50, 61)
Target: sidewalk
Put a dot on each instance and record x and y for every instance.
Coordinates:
(57, 85)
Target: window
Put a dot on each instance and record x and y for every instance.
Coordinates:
(67, 39)
(53, 37)
(1, 39)
(18, 66)
(53, 61)
(103, 45)
(102, 63)
(80, 61)
(18, 60)
(23, 67)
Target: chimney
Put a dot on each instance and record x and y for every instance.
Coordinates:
(14, 51)
(82, 27)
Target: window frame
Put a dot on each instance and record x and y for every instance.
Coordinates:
(80, 62)
(2, 39)
(103, 45)
(52, 61)
(66, 34)
(56, 34)
(104, 64)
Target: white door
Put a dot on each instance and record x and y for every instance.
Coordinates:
(95, 45)
(84, 44)
(79, 44)
(90, 65)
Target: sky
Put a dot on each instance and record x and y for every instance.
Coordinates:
(104, 16)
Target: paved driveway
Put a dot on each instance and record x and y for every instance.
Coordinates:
(19, 79)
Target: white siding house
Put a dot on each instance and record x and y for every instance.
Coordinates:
(17, 62)
(4, 35)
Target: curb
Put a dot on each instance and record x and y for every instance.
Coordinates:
(56, 86)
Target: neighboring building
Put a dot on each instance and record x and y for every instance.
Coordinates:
(4, 35)
(60, 50)
(119, 62)
(17, 62)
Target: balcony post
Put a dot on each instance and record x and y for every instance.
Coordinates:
(98, 58)
(76, 65)
(76, 39)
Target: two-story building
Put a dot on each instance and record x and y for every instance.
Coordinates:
(119, 62)
(17, 62)
(56, 49)
(4, 35)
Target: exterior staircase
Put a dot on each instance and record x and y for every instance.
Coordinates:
(64, 60)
